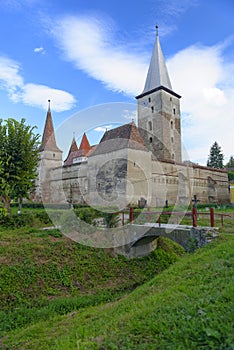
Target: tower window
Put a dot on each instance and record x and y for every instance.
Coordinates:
(170, 99)
(172, 124)
(150, 139)
(150, 125)
(172, 156)
(152, 109)
(149, 99)
(53, 155)
(173, 110)
(172, 139)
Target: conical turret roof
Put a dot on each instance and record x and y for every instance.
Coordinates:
(73, 151)
(48, 138)
(157, 74)
(80, 153)
(73, 147)
(84, 145)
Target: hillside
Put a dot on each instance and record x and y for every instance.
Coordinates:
(44, 274)
(187, 306)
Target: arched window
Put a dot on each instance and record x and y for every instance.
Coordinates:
(173, 156)
(172, 124)
(150, 125)
(150, 139)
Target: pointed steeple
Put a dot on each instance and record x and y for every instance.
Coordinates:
(157, 74)
(72, 152)
(74, 146)
(84, 145)
(48, 139)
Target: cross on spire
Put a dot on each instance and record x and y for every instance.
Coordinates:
(156, 29)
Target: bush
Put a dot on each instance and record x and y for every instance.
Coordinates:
(16, 220)
(3, 212)
(43, 217)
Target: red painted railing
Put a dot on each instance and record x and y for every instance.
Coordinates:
(193, 214)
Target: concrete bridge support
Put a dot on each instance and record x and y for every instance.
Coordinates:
(143, 237)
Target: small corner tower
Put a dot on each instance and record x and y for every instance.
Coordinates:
(50, 154)
(159, 110)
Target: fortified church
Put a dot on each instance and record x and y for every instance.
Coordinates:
(132, 163)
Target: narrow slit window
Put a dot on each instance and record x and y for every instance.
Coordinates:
(150, 125)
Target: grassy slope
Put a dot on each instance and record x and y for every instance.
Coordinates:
(43, 274)
(188, 306)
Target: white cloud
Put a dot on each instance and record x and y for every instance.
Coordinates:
(36, 95)
(129, 115)
(92, 48)
(103, 128)
(199, 74)
(175, 8)
(39, 50)
(10, 78)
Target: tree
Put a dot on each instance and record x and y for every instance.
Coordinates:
(216, 156)
(230, 168)
(19, 156)
(230, 163)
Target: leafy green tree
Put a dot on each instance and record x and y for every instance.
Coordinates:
(19, 156)
(230, 163)
(230, 167)
(216, 156)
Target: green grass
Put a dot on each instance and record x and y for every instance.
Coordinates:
(44, 274)
(57, 294)
(187, 306)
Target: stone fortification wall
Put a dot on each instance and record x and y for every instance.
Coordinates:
(177, 183)
(123, 177)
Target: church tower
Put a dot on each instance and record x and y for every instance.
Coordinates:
(50, 157)
(159, 110)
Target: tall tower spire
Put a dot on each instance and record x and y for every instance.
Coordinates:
(159, 110)
(48, 138)
(50, 158)
(157, 74)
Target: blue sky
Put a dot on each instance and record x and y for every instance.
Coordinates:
(91, 58)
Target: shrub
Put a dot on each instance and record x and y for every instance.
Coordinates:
(16, 220)
(3, 212)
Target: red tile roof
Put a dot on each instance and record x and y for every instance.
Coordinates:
(84, 145)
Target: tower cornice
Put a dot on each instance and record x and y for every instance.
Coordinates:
(157, 89)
